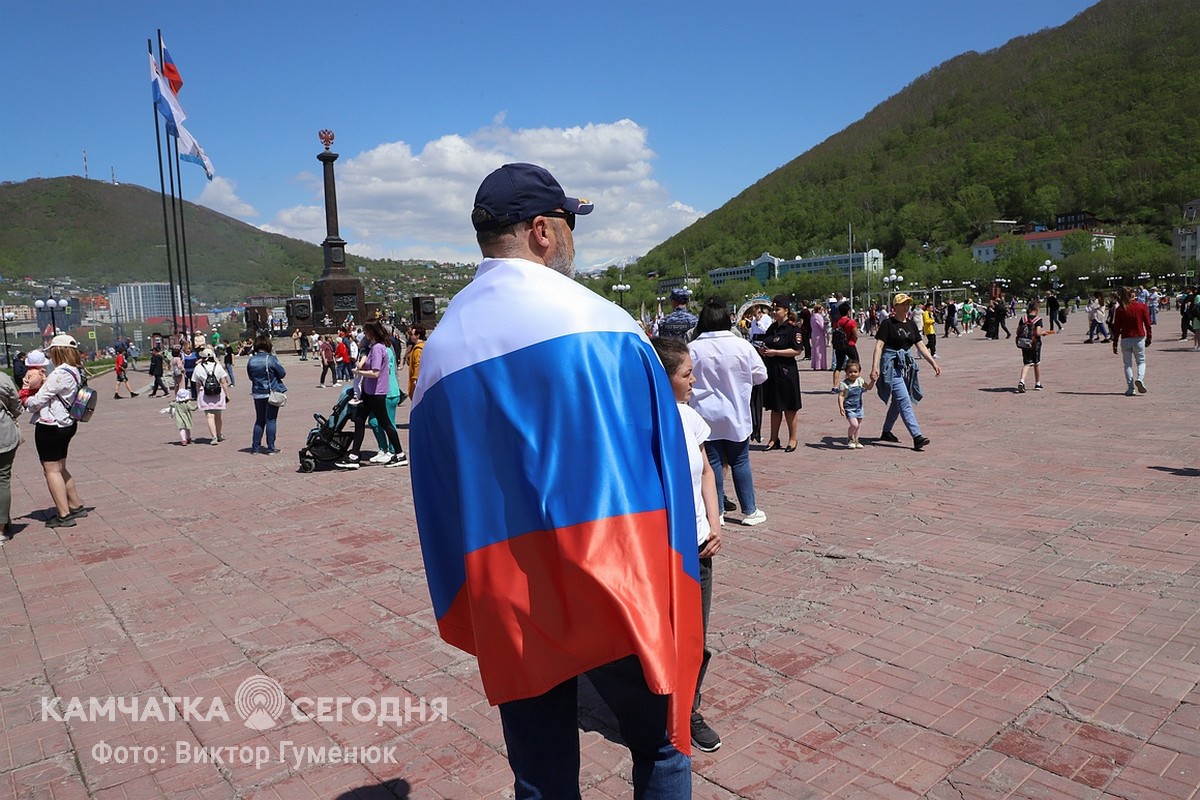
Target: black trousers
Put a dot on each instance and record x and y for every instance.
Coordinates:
(375, 405)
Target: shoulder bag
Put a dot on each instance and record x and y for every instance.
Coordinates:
(274, 397)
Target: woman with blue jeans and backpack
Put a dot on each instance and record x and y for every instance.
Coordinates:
(266, 375)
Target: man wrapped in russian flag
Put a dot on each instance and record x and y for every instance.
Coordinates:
(553, 499)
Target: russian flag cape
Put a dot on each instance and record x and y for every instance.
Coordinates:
(552, 492)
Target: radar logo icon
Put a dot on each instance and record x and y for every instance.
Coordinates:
(259, 701)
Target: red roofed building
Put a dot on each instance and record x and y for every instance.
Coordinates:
(1049, 242)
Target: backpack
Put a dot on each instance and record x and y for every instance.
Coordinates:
(1025, 331)
(838, 337)
(211, 384)
(84, 405)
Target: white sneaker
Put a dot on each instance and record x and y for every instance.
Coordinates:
(757, 518)
(1141, 387)
(380, 458)
(397, 460)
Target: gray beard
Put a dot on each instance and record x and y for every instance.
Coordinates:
(564, 263)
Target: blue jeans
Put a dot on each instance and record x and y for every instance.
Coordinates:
(737, 456)
(542, 734)
(705, 606)
(1134, 351)
(264, 420)
(901, 406)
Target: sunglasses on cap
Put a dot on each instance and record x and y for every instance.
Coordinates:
(569, 216)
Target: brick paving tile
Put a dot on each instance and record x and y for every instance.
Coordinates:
(1000, 616)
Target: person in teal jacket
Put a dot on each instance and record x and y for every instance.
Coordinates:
(391, 402)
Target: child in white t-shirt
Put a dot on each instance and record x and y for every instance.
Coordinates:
(678, 362)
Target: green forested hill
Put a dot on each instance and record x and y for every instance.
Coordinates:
(1101, 114)
(101, 234)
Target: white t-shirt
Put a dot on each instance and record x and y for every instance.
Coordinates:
(696, 430)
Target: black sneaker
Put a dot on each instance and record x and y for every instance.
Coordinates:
(729, 504)
(888, 436)
(60, 522)
(349, 462)
(920, 442)
(398, 460)
(77, 513)
(704, 738)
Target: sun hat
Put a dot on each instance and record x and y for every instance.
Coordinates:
(64, 340)
(36, 358)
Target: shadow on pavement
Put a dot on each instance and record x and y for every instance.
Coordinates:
(1183, 472)
(396, 789)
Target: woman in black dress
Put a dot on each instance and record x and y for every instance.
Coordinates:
(781, 393)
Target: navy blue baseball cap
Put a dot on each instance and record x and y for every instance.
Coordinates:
(517, 192)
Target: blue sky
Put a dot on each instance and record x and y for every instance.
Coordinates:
(657, 111)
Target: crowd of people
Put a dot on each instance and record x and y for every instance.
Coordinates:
(197, 374)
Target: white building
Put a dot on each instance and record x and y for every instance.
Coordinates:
(1049, 242)
(139, 301)
(767, 267)
(1186, 237)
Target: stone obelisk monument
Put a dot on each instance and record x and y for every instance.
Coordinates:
(337, 296)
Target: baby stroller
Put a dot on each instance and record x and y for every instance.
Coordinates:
(329, 440)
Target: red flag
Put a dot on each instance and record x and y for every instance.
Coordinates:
(170, 71)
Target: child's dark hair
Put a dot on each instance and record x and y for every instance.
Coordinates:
(850, 364)
(670, 352)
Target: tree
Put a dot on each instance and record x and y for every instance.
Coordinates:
(1078, 242)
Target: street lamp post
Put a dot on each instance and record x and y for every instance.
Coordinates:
(890, 281)
(622, 288)
(298, 277)
(52, 304)
(1048, 269)
(5, 318)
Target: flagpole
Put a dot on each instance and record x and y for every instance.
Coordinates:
(183, 238)
(162, 193)
(187, 330)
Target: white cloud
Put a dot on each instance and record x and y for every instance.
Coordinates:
(220, 194)
(395, 203)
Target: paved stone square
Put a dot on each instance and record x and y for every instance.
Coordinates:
(1010, 614)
